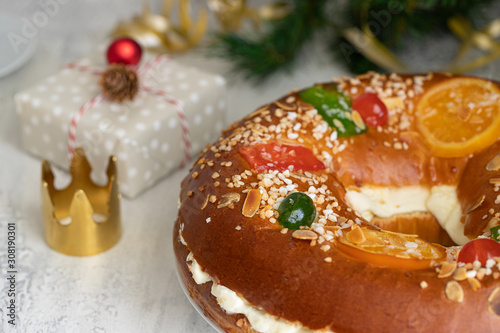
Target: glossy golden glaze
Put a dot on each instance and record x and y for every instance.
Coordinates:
(290, 278)
(475, 184)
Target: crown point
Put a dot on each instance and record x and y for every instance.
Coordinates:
(112, 169)
(47, 203)
(80, 205)
(47, 174)
(80, 165)
(46, 167)
(48, 179)
(92, 212)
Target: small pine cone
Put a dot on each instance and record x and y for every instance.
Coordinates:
(119, 82)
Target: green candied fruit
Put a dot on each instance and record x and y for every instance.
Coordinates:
(495, 233)
(335, 108)
(296, 210)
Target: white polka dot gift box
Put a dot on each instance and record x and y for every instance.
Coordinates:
(176, 111)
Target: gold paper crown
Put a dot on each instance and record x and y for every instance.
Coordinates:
(84, 218)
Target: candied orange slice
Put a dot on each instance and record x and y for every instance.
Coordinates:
(459, 116)
(389, 249)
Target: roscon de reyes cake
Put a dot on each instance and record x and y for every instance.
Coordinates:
(365, 204)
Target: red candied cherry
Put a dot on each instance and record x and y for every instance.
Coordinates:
(480, 249)
(371, 108)
(277, 156)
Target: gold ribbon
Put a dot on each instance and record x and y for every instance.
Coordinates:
(483, 39)
(232, 13)
(373, 49)
(158, 33)
(366, 43)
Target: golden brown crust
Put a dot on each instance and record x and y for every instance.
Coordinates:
(377, 158)
(301, 281)
(478, 192)
(201, 294)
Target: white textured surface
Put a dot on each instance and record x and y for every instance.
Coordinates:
(132, 287)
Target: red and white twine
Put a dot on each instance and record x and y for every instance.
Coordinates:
(74, 122)
(179, 106)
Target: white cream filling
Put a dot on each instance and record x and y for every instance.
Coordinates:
(372, 201)
(232, 303)
(441, 201)
(443, 204)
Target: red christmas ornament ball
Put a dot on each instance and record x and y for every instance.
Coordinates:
(124, 51)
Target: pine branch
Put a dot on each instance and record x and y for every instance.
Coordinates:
(343, 52)
(278, 49)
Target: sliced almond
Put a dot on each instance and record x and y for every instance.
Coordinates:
(358, 120)
(256, 132)
(338, 125)
(476, 204)
(494, 164)
(259, 111)
(447, 269)
(474, 283)
(285, 106)
(341, 219)
(252, 203)
(372, 238)
(304, 234)
(493, 222)
(495, 181)
(300, 176)
(454, 292)
(393, 103)
(335, 228)
(356, 235)
(494, 301)
(460, 274)
(205, 202)
(228, 198)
